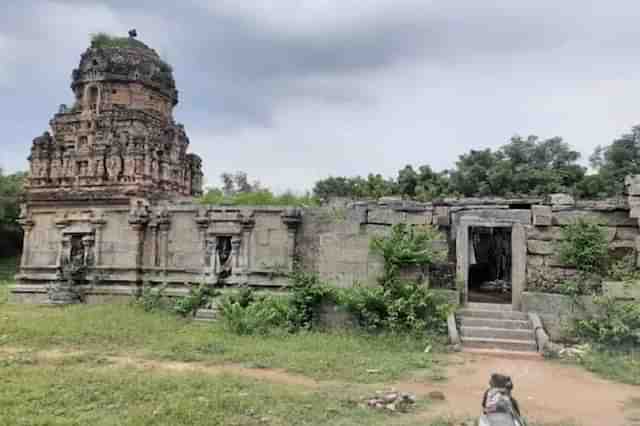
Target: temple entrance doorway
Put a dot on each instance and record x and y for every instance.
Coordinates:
(490, 258)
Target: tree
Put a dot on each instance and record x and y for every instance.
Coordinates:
(238, 183)
(523, 166)
(10, 191)
(616, 161)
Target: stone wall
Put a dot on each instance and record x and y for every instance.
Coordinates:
(179, 242)
(174, 244)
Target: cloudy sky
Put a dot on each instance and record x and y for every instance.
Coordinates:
(292, 91)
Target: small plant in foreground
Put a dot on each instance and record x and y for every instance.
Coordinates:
(196, 299)
(152, 299)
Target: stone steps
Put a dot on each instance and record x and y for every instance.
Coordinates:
(496, 327)
(499, 333)
(206, 315)
(502, 344)
(489, 307)
(496, 323)
(494, 314)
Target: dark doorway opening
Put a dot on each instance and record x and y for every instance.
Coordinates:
(223, 251)
(490, 264)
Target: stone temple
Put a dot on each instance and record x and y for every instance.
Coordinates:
(109, 207)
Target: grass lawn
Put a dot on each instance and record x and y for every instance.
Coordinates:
(621, 366)
(84, 385)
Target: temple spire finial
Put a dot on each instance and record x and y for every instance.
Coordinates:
(133, 33)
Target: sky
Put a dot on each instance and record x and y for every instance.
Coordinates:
(293, 91)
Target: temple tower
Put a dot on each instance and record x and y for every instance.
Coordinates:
(119, 139)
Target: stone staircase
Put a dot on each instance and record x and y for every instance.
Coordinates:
(495, 327)
(206, 315)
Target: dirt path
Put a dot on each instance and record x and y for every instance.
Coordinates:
(548, 392)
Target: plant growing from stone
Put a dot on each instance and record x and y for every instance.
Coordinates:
(407, 246)
(585, 247)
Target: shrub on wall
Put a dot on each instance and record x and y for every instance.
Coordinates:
(584, 245)
(407, 246)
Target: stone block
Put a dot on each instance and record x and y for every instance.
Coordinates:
(385, 215)
(418, 218)
(615, 218)
(547, 233)
(624, 233)
(441, 216)
(541, 215)
(622, 290)
(561, 200)
(535, 261)
(632, 185)
(555, 261)
(634, 212)
(622, 244)
(540, 247)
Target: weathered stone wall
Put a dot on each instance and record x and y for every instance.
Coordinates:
(173, 243)
(545, 233)
(334, 241)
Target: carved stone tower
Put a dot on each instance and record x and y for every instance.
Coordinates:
(119, 139)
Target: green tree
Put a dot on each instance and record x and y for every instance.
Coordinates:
(10, 191)
(614, 162)
(523, 166)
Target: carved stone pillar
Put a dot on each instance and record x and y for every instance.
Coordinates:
(163, 243)
(88, 245)
(27, 225)
(98, 225)
(236, 243)
(245, 257)
(291, 218)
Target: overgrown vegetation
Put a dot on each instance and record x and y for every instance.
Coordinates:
(238, 191)
(407, 247)
(395, 305)
(613, 323)
(584, 245)
(104, 41)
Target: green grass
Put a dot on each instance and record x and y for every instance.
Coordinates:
(33, 394)
(618, 365)
(347, 356)
(44, 382)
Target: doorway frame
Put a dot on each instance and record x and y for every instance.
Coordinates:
(518, 257)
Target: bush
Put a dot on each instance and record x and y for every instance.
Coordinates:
(407, 246)
(308, 293)
(625, 269)
(585, 247)
(260, 315)
(405, 307)
(152, 299)
(615, 323)
(196, 299)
